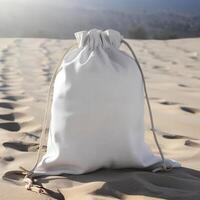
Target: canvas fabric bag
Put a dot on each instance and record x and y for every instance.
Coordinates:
(97, 111)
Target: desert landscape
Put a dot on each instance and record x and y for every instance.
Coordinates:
(172, 73)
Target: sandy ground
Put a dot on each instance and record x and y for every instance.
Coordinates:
(172, 72)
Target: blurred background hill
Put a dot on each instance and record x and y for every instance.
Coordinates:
(141, 19)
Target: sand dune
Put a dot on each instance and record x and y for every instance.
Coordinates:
(172, 73)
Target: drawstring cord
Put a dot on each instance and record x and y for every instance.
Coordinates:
(164, 166)
(29, 179)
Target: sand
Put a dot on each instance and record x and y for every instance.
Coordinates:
(172, 72)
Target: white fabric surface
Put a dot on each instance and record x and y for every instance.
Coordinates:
(97, 115)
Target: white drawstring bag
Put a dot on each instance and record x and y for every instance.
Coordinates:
(97, 112)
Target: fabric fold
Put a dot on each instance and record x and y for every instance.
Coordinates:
(96, 38)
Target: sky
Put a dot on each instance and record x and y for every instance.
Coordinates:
(116, 5)
(37, 17)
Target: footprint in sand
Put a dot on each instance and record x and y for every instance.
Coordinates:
(3, 77)
(10, 126)
(8, 77)
(8, 158)
(174, 62)
(190, 109)
(189, 66)
(18, 116)
(191, 143)
(172, 136)
(161, 69)
(7, 105)
(8, 117)
(12, 106)
(2, 60)
(169, 103)
(188, 142)
(22, 146)
(15, 177)
(182, 85)
(13, 98)
(18, 98)
(184, 108)
(23, 124)
(157, 67)
(196, 77)
(4, 86)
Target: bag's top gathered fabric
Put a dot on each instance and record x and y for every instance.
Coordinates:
(97, 111)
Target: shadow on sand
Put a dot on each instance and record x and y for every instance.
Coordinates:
(180, 183)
